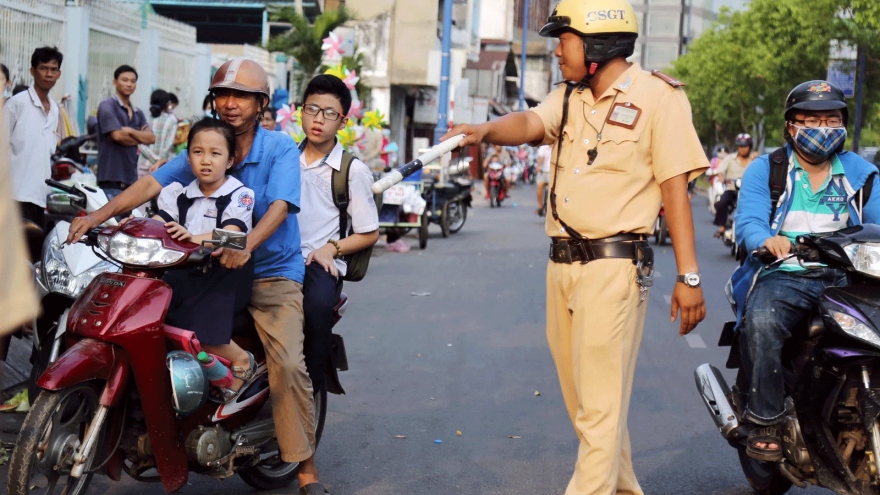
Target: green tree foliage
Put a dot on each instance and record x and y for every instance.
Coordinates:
(303, 42)
(739, 73)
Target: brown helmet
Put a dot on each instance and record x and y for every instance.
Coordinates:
(241, 74)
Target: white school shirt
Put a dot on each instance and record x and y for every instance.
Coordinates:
(33, 137)
(319, 217)
(201, 217)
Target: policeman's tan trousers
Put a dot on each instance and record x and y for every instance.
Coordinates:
(594, 328)
(276, 306)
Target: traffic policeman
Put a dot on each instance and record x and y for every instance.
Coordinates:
(623, 142)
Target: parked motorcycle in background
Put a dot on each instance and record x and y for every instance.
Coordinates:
(831, 368)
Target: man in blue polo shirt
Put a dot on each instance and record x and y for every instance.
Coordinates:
(266, 162)
(121, 128)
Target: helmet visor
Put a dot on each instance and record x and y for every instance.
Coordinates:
(556, 24)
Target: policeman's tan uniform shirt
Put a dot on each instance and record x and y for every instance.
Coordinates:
(18, 300)
(595, 315)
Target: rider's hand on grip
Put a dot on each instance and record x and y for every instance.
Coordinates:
(779, 245)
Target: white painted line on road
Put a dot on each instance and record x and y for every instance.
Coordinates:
(695, 341)
(667, 298)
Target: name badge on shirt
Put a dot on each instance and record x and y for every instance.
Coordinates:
(624, 114)
(211, 213)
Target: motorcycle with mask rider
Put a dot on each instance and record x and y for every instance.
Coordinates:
(806, 341)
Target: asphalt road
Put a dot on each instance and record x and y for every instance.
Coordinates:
(447, 348)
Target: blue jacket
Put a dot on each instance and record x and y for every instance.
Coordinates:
(753, 225)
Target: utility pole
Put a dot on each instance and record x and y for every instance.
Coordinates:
(522, 58)
(443, 91)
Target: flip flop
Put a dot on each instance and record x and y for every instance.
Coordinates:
(316, 488)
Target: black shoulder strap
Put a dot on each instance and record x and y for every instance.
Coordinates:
(569, 87)
(339, 189)
(778, 177)
(222, 202)
(183, 204)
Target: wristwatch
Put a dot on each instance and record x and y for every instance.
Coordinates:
(691, 279)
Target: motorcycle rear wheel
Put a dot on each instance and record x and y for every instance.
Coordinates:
(423, 230)
(662, 231)
(271, 473)
(52, 431)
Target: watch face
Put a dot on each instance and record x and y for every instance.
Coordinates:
(692, 279)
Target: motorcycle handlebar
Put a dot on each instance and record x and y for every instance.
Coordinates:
(765, 256)
(63, 187)
(404, 171)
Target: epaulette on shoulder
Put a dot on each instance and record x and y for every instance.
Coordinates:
(675, 83)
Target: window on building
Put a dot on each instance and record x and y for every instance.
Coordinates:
(660, 55)
(663, 24)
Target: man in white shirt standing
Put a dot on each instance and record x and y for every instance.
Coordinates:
(544, 156)
(32, 120)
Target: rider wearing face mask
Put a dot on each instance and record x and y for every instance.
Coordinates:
(823, 192)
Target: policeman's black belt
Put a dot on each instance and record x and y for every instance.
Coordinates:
(624, 246)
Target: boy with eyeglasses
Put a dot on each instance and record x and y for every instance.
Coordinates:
(823, 193)
(326, 103)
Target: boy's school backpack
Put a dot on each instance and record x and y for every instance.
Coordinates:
(359, 261)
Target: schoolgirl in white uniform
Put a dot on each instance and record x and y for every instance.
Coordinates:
(207, 302)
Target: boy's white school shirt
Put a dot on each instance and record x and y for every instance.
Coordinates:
(201, 217)
(318, 216)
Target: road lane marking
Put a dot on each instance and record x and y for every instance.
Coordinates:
(695, 341)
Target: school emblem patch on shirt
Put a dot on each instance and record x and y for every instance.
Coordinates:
(246, 201)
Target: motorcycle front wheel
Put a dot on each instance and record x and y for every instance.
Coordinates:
(456, 213)
(272, 473)
(52, 431)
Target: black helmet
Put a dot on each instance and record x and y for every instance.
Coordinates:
(815, 96)
(744, 139)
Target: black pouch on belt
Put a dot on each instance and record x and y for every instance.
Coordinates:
(644, 264)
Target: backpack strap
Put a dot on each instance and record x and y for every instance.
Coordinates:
(778, 178)
(865, 194)
(222, 202)
(339, 190)
(183, 204)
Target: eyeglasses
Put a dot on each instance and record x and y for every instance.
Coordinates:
(329, 113)
(813, 122)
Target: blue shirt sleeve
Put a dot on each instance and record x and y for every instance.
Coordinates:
(871, 210)
(284, 175)
(176, 170)
(753, 206)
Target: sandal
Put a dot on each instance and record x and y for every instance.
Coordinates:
(765, 435)
(245, 374)
(315, 488)
(718, 234)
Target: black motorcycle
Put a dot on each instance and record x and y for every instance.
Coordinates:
(830, 434)
(447, 202)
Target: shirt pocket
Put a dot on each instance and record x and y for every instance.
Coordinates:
(567, 138)
(618, 150)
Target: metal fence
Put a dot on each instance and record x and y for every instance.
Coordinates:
(177, 67)
(25, 25)
(114, 37)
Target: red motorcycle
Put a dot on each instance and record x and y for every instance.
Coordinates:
(497, 189)
(129, 394)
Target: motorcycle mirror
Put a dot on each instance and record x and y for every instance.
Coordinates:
(229, 238)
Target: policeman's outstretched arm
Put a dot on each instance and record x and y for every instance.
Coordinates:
(513, 129)
(145, 189)
(687, 300)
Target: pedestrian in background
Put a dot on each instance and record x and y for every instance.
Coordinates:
(164, 127)
(121, 128)
(32, 122)
(629, 144)
(5, 83)
(268, 119)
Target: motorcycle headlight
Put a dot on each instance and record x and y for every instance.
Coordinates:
(57, 277)
(138, 251)
(865, 258)
(855, 327)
